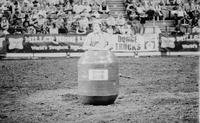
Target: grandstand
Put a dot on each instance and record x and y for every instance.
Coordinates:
(22, 17)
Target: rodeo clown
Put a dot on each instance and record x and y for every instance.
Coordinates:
(97, 40)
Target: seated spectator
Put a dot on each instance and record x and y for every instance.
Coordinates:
(158, 12)
(133, 16)
(83, 25)
(45, 28)
(142, 17)
(140, 9)
(196, 29)
(150, 11)
(87, 8)
(17, 7)
(26, 7)
(78, 8)
(9, 8)
(16, 15)
(126, 29)
(130, 11)
(59, 22)
(179, 15)
(53, 29)
(4, 25)
(68, 7)
(116, 30)
(18, 26)
(110, 20)
(104, 9)
(39, 22)
(135, 27)
(110, 30)
(127, 3)
(35, 4)
(41, 18)
(120, 20)
(94, 7)
(96, 14)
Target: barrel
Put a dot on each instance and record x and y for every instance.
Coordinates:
(98, 81)
(3, 47)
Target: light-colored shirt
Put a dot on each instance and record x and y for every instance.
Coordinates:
(97, 40)
(196, 29)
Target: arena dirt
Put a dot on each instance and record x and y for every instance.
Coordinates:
(161, 90)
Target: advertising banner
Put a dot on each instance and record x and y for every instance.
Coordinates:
(127, 43)
(73, 43)
(188, 42)
(151, 42)
(124, 43)
(45, 43)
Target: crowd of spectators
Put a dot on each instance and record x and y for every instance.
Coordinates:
(181, 11)
(78, 16)
(53, 16)
(59, 17)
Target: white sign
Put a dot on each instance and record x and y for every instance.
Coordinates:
(98, 74)
(146, 42)
(16, 43)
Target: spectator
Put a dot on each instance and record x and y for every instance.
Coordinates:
(45, 28)
(69, 21)
(142, 17)
(196, 29)
(179, 15)
(26, 7)
(127, 3)
(96, 14)
(18, 26)
(68, 7)
(158, 12)
(116, 30)
(150, 10)
(140, 9)
(131, 11)
(83, 25)
(110, 20)
(59, 22)
(120, 20)
(4, 25)
(135, 27)
(78, 8)
(41, 18)
(126, 29)
(87, 8)
(94, 7)
(110, 30)
(53, 29)
(104, 9)
(26, 25)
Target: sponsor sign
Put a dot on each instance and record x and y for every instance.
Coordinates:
(74, 43)
(188, 42)
(45, 43)
(145, 42)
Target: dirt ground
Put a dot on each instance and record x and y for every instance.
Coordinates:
(161, 90)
